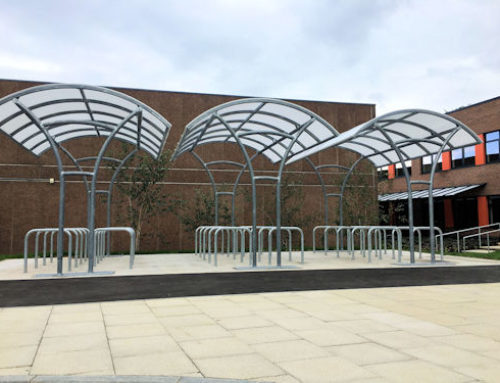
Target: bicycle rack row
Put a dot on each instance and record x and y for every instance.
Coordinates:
(77, 253)
(80, 249)
(232, 238)
(371, 235)
(207, 238)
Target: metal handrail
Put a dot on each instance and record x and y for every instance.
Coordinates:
(457, 232)
(480, 234)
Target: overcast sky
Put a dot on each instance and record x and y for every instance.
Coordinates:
(434, 54)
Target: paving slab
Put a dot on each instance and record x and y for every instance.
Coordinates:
(264, 334)
(72, 362)
(247, 366)
(330, 369)
(290, 350)
(207, 348)
(417, 371)
(172, 363)
(367, 353)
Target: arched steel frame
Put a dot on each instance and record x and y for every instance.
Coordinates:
(219, 125)
(399, 146)
(118, 113)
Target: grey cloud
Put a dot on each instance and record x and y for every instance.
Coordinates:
(413, 53)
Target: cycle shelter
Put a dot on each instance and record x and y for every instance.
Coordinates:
(400, 136)
(45, 117)
(275, 129)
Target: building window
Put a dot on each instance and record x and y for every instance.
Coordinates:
(383, 172)
(492, 146)
(463, 157)
(399, 169)
(427, 164)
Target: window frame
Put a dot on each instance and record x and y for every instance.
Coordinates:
(463, 161)
(398, 171)
(439, 167)
(486, 141)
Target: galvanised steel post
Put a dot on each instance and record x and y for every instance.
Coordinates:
(408, 186)
(298, 132)
(431, 198)
(54, 147)
(254, 190)
(91, 223)
(110, 192)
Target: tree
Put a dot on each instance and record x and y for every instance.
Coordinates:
(201, 211)
(139, 183)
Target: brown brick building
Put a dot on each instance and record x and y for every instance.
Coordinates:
(475, 165)
(29, 200)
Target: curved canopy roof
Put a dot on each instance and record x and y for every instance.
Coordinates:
(74, 111)
(267, 125)
(414, 132)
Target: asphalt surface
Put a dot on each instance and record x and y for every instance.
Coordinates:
(99, 289)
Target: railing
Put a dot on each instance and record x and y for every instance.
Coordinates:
(487, 233)
(457, 232)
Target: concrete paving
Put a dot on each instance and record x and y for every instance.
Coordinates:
(403, 334)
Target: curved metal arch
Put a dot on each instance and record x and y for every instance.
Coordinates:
(162, 131)
(108, 127)
(196, 129)
(420, 120)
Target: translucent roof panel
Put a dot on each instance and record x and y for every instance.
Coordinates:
(68, 112)
(274, 128)
(413, 132)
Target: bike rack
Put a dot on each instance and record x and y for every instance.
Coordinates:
(289, 229)
(101, 237)
(234, 230)
(378, 230)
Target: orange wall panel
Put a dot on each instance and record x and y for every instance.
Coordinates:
(391, 172)
(480, 152)
(482, 211)
(446, 160)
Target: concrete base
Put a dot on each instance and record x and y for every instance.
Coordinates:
(76, 275)
(283, 267)
(99, 289)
